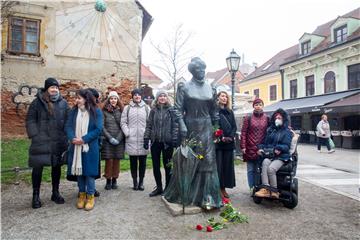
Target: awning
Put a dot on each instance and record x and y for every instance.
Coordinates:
(310, 104)
(347, 104)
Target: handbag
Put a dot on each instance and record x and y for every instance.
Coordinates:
(331, 143)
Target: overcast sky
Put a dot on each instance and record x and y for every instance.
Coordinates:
(256, 28)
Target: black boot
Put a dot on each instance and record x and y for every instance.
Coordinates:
(56, 197)
(135, 187)
(157, 191)
(36, 203)
(108, 184)
(96, 194)
(114, 184)
(141, 185)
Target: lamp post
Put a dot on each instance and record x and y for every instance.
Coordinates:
(233, 61)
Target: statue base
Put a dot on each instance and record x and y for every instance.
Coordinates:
(177, 209)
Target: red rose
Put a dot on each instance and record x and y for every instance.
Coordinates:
(209, 229)
(218, 133)
(226, 200)
(199, 227)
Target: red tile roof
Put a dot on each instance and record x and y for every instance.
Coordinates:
(147, 74)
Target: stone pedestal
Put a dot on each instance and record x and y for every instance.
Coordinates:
(177, 209)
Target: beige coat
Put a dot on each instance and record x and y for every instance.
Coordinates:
(133, 123)
(323, 129)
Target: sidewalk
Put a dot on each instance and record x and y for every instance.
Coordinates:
(337, 172)
(128, 214)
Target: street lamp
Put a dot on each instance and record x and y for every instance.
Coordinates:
(233, 61)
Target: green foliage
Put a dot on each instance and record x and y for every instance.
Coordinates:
(232, 215)
(14, 153)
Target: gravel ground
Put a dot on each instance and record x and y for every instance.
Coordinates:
(128, 214)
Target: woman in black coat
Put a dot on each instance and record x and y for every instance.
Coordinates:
(225, 144)
(113, 144)
(45, 127)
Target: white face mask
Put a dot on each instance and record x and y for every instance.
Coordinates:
(278, 122)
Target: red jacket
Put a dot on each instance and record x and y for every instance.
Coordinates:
(253, 134)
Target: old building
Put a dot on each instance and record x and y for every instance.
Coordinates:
(323, 76)
(82, 44)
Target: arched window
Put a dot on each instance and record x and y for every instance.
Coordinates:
(329, 82)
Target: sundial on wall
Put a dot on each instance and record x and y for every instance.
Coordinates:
(94, 30)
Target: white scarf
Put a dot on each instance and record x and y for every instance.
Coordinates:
(82, 124)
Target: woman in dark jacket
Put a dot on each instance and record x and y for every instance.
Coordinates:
(253, 133)
(159, 129)
(225, 144)
(45, 127)
(113, 146)
(83, 128)
(277, 142)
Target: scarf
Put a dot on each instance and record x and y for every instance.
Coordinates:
(82, 124)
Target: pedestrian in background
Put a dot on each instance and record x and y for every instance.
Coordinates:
(159, 129)
(133, 123)
(113, 145)
(225, 146)
(253, 133)
(83, 129)
(323, 134)
(45, 127)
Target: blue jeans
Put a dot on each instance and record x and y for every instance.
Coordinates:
(252, 166)
(86, 184)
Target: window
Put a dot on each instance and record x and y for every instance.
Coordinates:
(293, 88)
(354, 76)
(305, 47)
(296, 122)
(246, 92)
(310, 88)
(329, 82)
(340, 34)
(256, 93)
(273, 93)
(23, 37)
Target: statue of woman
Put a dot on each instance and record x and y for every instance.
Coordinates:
(197, 115)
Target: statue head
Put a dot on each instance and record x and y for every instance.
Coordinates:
(197, 69)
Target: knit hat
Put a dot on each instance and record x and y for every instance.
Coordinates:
(50, 82)
(159, 93)
(258, 100)
(136, 91)
(113, 94)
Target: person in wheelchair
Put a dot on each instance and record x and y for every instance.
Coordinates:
(275, 152)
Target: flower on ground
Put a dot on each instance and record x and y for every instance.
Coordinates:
(209, 229)
(199, 227)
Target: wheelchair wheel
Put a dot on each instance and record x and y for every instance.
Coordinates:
(295, 186)
(292, 201)
(257, 200)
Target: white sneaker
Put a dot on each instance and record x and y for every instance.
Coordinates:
(331, 151)
(319, 151)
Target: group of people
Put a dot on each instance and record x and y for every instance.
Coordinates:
(89, 132)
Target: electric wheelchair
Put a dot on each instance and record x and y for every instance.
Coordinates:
(287, 182)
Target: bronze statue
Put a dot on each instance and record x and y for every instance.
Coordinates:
(195, 179)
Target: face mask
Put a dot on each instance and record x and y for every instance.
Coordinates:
(278, 122)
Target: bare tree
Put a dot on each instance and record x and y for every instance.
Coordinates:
(6, 6)
(174, 55)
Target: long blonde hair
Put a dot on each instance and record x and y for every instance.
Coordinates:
(228, 103)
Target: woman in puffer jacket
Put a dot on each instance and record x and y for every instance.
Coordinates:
(133, 123)
(113, 145)
(159, 129)
(277, 143)
(253, 133)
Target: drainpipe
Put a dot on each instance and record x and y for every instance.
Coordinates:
(282, 83)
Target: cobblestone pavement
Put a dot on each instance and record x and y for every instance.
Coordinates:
(128, 214)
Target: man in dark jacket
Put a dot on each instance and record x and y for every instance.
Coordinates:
(276, 149)
(45, 127)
